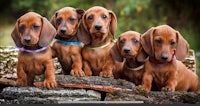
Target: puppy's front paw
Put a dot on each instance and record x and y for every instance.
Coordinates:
(21, 82)
(106, 74)
(78, 73)
(88, 72)
(167, 89)
(49, 84)
(142, 88)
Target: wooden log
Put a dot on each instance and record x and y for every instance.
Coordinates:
(117, 89)
(93, 82)
(8, 60)
(153, 97)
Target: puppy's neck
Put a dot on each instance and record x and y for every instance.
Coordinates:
(71, 38)
(100, 41)
(34, 47)
(133, 63)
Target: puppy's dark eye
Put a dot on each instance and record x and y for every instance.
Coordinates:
(71, 20)
(122, 41)
(172, 43)
(158, 41)
(36, 27)
(90, 17)
(21, 28)
(135, 41)
(104, 16)
(58, 21)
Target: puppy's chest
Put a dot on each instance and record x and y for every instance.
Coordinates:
(65, 51)
(33, 62)
(161, 73)
(92, 55)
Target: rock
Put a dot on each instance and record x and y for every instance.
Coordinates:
(155, 97)
(33, 95)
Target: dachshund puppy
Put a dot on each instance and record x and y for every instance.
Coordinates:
(68, 47)
(126, 49)
(166, 49)
(97, 29)
(32, 34)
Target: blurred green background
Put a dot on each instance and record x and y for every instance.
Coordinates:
(138, 15)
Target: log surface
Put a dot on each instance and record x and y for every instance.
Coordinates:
(73, 89)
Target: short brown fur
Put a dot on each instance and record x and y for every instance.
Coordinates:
(66, 21)
(166, 48)
(126, 50)
(97, 29)
(32, 32)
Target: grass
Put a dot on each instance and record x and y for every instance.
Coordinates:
(5, 35)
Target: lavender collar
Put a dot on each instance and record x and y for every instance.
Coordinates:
(32, 51)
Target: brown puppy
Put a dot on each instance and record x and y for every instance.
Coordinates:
(32, 35)
(165, 47)
(126, 49)
(68, 47)
(97, 30)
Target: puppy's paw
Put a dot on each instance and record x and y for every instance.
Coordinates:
(88, 72)
(167, 89)
(21, 82)
(142, 88)
(49, 84)
(106, 74)
(78, 73)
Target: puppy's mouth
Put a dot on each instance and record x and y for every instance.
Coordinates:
(161, 59)
(96, 36)
(128, 55)
(65, 36)
(28, 44)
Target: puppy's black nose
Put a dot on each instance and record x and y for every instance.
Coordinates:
(27, 39)
(164, 56)
(63, 30)
(127, 50)
(98, 27)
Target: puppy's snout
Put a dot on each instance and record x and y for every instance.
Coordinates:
(127, 50)
(27, 39)
(63, 30)
(98, 27)
(164, 56)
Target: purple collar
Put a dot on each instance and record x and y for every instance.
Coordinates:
(32, 51)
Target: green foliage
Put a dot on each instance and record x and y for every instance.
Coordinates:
(138, 15)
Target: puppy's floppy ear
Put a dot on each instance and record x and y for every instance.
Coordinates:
(83, 33)
(147, 41)
(182, 47)
(80, 12)
(141, 56)
(53, 19)
(113, 23)
(16, 35)
(47, 34)
(115, 52)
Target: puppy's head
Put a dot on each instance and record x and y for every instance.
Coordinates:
(66, 21)
(31, 29)
(127, 46)
(98, 23)
(163, 42)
